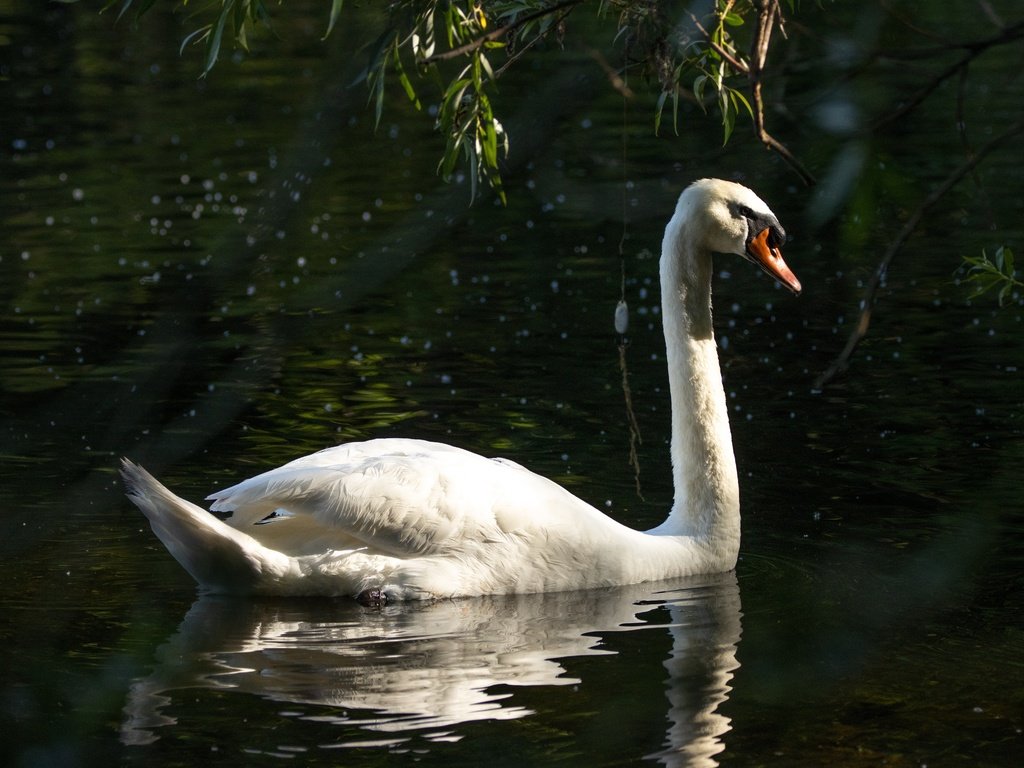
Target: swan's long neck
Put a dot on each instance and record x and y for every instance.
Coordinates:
(706, 504)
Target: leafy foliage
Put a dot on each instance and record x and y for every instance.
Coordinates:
(237, 17)
(465, 115)
(998, 272)
(465, 45)
(712, 60)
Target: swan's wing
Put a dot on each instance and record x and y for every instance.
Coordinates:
(398, 497)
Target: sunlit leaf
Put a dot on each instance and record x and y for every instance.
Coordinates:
(737, 96)
(486, 65)
(728, 123)
(403, 78)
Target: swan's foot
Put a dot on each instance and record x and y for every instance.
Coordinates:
(373, 598)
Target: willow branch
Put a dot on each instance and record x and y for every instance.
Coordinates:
(500, 32)
(732, 61)
(867, 303)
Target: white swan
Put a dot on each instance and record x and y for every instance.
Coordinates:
(397, 519)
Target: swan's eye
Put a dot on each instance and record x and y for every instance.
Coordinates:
(745, 212)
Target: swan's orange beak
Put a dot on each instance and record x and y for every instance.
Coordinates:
(770, 260)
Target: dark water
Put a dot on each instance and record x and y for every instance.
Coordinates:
(215, 276)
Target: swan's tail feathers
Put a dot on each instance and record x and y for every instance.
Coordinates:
(220, 558)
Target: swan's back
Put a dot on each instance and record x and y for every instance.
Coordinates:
(410, 518)
(398, 497)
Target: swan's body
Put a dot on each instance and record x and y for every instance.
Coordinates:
(403, 519)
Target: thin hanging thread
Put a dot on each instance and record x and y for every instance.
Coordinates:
(622, 308)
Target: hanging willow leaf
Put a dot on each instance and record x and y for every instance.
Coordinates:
(403, 78)
(333, 19)
(194, 37)
(213, 41)
(452, 40)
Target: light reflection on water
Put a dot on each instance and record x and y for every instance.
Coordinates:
(421, 672)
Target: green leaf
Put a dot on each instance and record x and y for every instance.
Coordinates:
(378, 99)
(658, 109)
(728, 123)
(1004, 261)
(239, 24)
(486, 65)
(384, 47)
(333, 19)
(489, 138)
(403, 79)
(984, 274)
(737, 96)
(214, 40)
(473, 171)
(675, 112)
(125, 5)
(196, 36)
(699, 83)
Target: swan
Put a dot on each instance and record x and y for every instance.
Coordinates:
(402, 519)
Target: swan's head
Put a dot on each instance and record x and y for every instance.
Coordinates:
(735, 220)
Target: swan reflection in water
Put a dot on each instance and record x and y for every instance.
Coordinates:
(423, 669)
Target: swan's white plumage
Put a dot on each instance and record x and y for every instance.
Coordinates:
(414, 519)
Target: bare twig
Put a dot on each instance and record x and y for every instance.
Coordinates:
(867, 303)
(924, 92)
(616, 80)
(774, 144)
(634, 427)
(768, 14)
(1006, 35)
(973, 50)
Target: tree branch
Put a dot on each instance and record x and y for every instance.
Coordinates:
(738, 65)
(973, 50)
(867, 303)
(1006, 35)
(768, 14)
(500, 32)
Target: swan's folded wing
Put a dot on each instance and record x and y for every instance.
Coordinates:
(398, 504)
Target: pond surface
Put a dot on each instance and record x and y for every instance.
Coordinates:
(216, 276)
